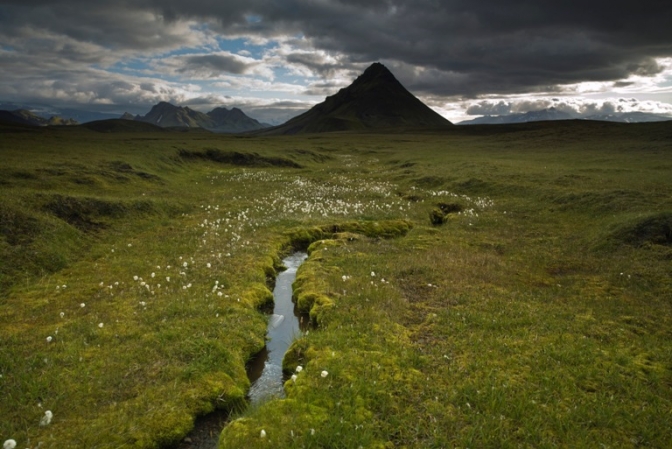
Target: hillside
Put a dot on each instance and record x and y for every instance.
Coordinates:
(375, 100)
(120, 126)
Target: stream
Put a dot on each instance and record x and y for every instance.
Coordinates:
(265, 369)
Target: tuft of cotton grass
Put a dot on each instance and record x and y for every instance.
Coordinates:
(46, 419)
(9, 444)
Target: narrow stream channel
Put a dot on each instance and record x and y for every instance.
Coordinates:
(265, 370)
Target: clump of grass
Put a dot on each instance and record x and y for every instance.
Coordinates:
(85, 213)
(439, 215)
(655, 229)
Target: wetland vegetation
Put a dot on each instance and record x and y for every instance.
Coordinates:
(499, 286)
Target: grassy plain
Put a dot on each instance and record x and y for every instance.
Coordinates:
(493, 287)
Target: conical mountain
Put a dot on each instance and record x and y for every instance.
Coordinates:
(375, 100)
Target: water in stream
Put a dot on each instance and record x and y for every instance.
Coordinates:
(265, 370)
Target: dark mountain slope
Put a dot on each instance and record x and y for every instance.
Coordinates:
(375, 100)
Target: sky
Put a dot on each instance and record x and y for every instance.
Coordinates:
(276, 58)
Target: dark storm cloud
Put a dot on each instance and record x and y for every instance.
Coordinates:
(476, 47)
(450, 47)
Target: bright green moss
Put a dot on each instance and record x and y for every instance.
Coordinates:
(258, 296)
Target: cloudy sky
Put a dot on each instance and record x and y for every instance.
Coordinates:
(276, 58)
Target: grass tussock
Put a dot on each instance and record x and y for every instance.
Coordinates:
(134, 286)
(654, 229)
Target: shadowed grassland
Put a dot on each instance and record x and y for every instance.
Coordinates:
(484, 287)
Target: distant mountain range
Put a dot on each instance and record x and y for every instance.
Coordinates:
(555, 114)
(46, 111)
(375, 100)
(163, 114)
(220, 120)
(25, 117)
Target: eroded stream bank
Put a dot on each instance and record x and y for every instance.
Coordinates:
(265, 369)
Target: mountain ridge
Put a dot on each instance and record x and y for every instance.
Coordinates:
(221, 119)
(26, 117)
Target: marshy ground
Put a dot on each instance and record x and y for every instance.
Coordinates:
(481, 287)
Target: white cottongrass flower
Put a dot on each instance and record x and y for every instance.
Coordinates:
(135, 278)
(262, 434)
(373, 274)
(324, 374)
(46, 419)
(219, 293)
(62, 314)
(82, 305)
(9, 444)
(153, 274)
(312, 431)
(294, 377)
(100, 325)
(167, 278)
(299, 369)
(49, 338)
(185, 265)
(208, 265)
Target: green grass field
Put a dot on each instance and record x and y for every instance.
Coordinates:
(502, 286)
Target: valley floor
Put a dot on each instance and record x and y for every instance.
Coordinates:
(483, 287)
